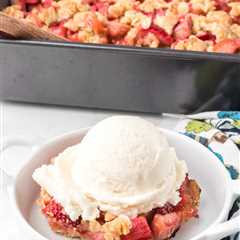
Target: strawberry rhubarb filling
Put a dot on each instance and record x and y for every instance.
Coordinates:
(160, 223)
(196, 25)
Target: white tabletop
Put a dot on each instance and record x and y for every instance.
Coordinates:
(37, 123)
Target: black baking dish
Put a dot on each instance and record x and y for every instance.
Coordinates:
(121, 78)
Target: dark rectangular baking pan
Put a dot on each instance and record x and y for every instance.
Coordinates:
(120, 78)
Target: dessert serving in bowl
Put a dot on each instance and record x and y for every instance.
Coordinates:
(123, 179)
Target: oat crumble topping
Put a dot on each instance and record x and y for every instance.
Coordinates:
(198, 25)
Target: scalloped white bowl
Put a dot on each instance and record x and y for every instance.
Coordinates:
(218, 190)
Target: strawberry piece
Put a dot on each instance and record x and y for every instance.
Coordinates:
(163, 37)
(140, 230)
(59, 30)
(207, 36)
(227, 46)
(183, 29)
(222, 5)
(164, 226)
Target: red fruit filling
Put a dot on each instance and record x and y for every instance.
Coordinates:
(169, 218)
(161, 223)
(140, 230)
(56, 211)
(207, 36)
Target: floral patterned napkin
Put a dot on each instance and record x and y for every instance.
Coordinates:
(220, 133)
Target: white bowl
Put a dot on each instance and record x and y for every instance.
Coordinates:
(218, 190)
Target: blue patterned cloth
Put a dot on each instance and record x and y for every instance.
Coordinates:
(220, 133)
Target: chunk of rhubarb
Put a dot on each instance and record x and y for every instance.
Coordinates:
(116, 29)
(140, 230)
(227, 46)
(183, 29)
(164, 226)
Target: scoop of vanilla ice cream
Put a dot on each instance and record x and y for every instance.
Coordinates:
(127, 166)
(124, 165)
